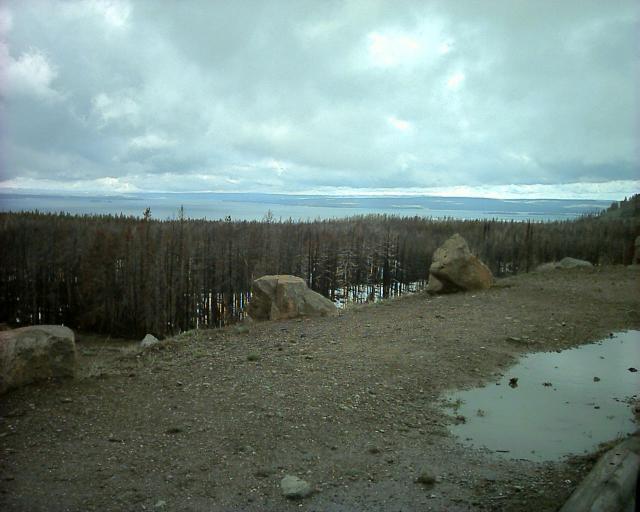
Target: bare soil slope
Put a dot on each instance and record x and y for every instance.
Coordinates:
(212, 420)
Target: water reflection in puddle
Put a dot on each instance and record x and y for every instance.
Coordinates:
(562, 402)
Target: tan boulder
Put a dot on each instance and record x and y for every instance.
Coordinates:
(282, 296)
(39, 352)
(455, 269)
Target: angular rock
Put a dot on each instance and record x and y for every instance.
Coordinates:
(40, 352)
(455, 269)
(295, 488)
(282, 296)
(149, 341)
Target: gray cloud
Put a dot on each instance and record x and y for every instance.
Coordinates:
(290, 95)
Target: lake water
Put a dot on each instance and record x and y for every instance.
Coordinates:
(564, 403)
(298, 207)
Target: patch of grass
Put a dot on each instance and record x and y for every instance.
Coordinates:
(426, 478)
(455, 405)
(253, 356)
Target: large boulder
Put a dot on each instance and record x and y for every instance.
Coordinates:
(282, 296)
(36, 353)
(455, 269)
(564, 263)
(546, 267)
(574, 263)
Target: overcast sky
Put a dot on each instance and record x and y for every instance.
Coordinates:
(499, 98)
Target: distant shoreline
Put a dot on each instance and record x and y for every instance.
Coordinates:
(212, 206)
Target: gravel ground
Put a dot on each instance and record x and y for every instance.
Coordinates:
(213, 420)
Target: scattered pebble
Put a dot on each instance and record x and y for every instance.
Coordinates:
(262, 473)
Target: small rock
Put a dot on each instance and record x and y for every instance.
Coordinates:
(294, 488)
(596, 379)
(149, 341)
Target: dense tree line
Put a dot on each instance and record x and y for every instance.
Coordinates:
(628, 207)
(129, 276)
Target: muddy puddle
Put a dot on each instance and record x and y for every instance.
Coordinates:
(554, 404)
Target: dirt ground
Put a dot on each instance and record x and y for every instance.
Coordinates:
(212, 420)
